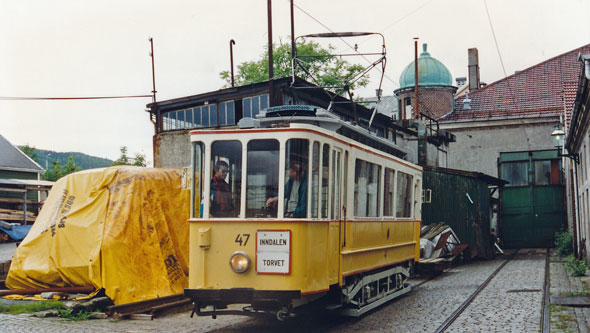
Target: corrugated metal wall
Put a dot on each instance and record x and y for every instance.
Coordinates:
(451, 204)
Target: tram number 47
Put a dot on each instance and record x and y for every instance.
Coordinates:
(242, 239)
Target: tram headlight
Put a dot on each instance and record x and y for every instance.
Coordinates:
(239, 262)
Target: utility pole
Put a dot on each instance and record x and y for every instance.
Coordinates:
(416, 108)
(271, 101)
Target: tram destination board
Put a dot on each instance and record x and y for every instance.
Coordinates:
(273, 251)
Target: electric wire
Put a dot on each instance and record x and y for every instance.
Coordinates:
(504, 69)
(12, 98)
(398, 21)
(344, 41)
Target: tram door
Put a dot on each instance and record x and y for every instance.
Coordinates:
(336, 209)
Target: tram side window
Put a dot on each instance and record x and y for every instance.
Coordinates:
(335, 187)
(403, 207)
(325, 178)
(366, 188)
(388, 197)
(262, 180)
(315, 179)
(226, 169)
(296, 162)
(197, 186)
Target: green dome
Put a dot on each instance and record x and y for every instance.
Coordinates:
(431, 72)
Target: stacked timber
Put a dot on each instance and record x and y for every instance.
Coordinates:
(11, 215)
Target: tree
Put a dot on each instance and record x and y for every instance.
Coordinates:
(123, 159)
(138, 160)
(328, 70)
(31, 152)
(56, 170)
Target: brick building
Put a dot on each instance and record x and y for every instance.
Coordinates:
(435, 93)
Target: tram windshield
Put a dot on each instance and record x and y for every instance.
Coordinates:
(296, 163)
(226, 171)
(262, 180)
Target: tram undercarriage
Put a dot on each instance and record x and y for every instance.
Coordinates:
(370, 291)
(362, 294)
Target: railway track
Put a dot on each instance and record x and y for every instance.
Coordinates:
(545, 313)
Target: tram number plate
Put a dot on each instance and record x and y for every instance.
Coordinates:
(273, 252)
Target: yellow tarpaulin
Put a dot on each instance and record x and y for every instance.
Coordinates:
(123, 229)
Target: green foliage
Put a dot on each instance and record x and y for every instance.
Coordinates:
(73, 315)
(31, 152)
(563, 242)
(56, 170)
(138, 160)
(576, 267)
(30, 307)
(328, 70)
(83, 161)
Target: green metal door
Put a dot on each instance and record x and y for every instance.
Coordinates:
(533, 207)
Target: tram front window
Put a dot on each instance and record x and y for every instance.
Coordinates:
(226, 166)
(262, 180)
(296, 162)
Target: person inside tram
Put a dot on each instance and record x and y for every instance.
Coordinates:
(295, 192)
(221, 201)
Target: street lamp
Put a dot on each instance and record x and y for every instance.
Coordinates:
(558, 136)
(46, 158)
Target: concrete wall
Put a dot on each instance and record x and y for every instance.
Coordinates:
(479, 144)
(172, 150)
(581, 173)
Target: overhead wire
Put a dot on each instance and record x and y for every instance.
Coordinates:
(12, 98)
(343, 40)
(503, 68)
(398, 20)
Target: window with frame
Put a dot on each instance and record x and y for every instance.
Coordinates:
(367, 183)
(251, 106)
(403, 207)
(325, 170)
(262, 180)
(197, 184)
(315, 179)
(388, 195)
(227, 113)
(335, 187)
(296, 177)
(226, 178)
(547, 172)
(515, 173)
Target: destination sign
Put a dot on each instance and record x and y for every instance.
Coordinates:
(273, 252)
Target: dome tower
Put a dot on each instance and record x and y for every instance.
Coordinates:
(435, 89)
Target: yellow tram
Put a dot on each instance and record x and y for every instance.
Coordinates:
(286, 210)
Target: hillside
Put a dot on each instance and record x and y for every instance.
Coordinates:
(82, 160)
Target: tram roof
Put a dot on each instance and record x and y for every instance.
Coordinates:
(302, 115)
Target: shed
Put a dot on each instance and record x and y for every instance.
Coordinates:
(463, 200)
(19, 181)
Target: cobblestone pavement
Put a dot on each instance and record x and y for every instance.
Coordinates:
(510, 303)
(512, 300)
(567, 319)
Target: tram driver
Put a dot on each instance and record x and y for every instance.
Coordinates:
(295, 192)
(221, 201)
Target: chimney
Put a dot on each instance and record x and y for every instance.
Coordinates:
(473, 60)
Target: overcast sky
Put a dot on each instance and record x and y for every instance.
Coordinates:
(76, 48)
